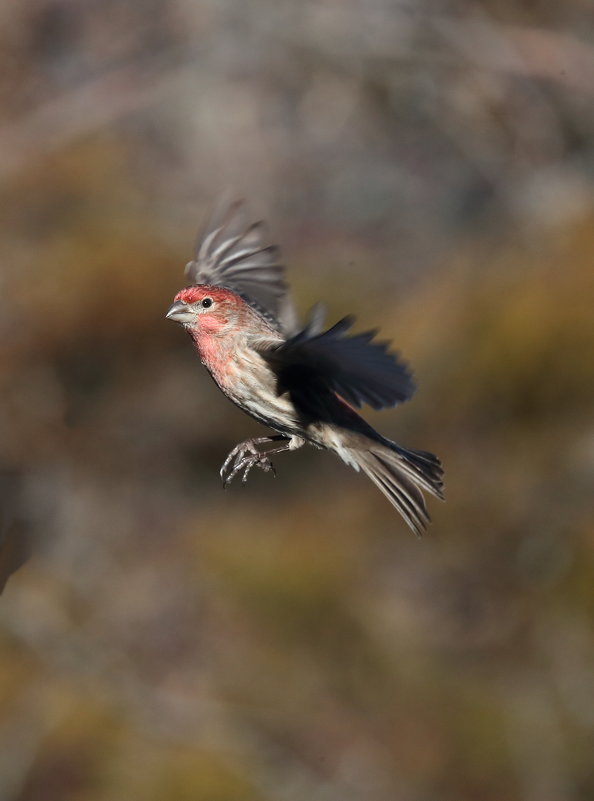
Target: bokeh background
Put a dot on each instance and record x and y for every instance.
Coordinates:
(428, 166)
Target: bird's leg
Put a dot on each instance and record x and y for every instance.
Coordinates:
(247, 447)
(263, 460)
(246, 455)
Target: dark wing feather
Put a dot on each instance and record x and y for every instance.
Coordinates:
(352, 366)
(233, 253)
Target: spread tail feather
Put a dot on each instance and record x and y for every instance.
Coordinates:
(401, 475)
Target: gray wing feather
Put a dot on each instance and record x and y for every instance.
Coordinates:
(234, 254)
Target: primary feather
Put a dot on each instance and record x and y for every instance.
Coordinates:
(356, 368)
(234, 254)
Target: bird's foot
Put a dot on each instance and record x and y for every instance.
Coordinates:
(242, 458)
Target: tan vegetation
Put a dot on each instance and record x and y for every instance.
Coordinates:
(290, 640)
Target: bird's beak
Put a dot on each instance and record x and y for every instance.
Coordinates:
(180, 312)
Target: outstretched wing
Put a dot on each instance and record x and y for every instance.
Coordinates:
(233, 253)
(352, 366)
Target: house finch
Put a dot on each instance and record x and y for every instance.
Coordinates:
(303, 383)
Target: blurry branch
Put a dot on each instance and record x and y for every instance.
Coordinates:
(85, 109)
(520, 53)
(524, 52)
(485, 45)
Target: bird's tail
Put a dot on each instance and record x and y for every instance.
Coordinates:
(401, 475)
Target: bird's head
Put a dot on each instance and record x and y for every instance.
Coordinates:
(206, 309)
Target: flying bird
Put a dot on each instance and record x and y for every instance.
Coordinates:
(302, 382)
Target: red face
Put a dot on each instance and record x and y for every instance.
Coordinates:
(203, 308)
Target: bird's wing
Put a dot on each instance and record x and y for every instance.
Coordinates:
(352, 366)
(233, 253)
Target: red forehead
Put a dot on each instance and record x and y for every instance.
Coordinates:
(193, 294)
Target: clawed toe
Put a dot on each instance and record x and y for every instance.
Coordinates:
(259, 460)
(242, 459)
(236, 455)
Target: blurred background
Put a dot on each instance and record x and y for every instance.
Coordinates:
(428, 166)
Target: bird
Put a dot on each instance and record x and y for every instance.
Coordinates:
(305, 382)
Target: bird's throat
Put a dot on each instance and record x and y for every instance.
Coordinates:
(215, 353)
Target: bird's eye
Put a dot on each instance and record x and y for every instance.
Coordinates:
(206, 303)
